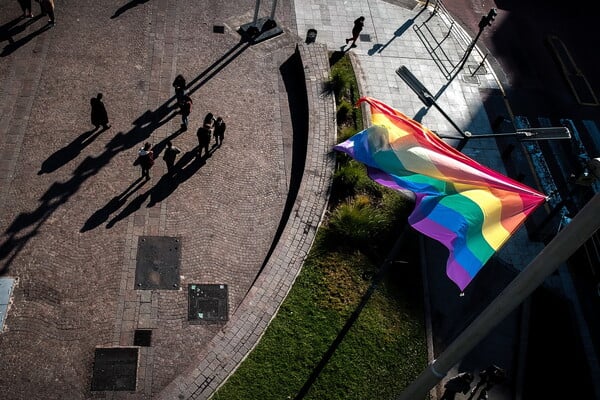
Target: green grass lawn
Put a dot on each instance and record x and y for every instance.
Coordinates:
(385, 349)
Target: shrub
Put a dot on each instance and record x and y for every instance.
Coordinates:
(344, 112)
(351, 179)
(340, 82)
(356, 223)
(345, 133)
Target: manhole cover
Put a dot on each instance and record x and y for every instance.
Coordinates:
(142, 337)
(207, 303)
(471, 79)
(115, 369)
(158, 259)
(477, 69)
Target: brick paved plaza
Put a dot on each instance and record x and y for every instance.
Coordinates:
(72, 208)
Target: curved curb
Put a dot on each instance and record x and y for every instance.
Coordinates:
(221, 357)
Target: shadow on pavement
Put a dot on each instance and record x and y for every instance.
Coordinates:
(184, 169)
(63, 156)
(101, 216)
(26, 225)
(10, 32)
(127, 7)
(378, 47)
(217, 66)
(292, 73)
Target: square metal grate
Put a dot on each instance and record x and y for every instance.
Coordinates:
(158, 262)
(207, 303)
(471, 79)
(364, 37)
(115, 368)
(476, 69)
(142, 337)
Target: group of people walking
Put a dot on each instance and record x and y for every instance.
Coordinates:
(211, 127)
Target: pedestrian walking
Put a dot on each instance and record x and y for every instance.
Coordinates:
(209, 120)
(219, 131)
(203, 134)
(26, 7)
(99, 115)
(146, 159)
(170, 155)
(461, 383)
(179, 85)
(186, 108)
(47, 8)
(359, 23)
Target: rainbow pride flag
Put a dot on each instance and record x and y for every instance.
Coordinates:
(469, 208)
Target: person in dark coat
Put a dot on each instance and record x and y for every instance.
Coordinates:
(146, 159)
(186, 108)
(179, 85)
(26, 7)
(203, 134)
(209, 120)
(99, 114)
(170, 155)
(359, 23)
(219, 131)
(47, 7)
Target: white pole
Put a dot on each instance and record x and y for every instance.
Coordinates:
(564, 244)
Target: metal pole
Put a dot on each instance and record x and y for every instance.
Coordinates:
(256, 11)
(480, 64)
(273, 10)
(433, 103)
(573, 236)
(468, 51)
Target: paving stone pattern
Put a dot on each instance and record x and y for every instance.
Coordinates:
(72, 208)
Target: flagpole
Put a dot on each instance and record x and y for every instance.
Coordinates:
(564, 244)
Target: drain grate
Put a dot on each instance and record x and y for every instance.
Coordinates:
(218, 29)
(471, 79)
(477, 69)
(365, 37)
(142, 337)
(115, 368)
(207, 303)
(158, 261)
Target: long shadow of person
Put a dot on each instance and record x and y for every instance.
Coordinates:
(163, 188)
(11, 28)
(127, 7)
(134, 205)
(26, 225)
(14, 45)
(185, 167)
(160, 146)
(62, 156)
(100, 216)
